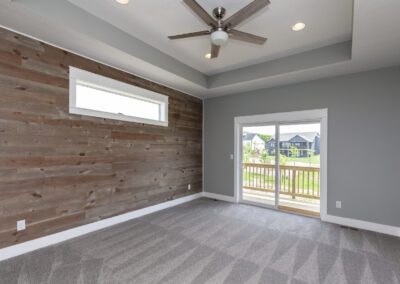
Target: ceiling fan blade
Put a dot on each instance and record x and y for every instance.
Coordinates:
(214, 50)
(245, 13)
(201, 33)
(201, 13)
(238, 35)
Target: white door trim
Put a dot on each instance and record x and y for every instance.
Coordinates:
(283, 117)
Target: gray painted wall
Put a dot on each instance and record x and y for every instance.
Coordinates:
(363, 138)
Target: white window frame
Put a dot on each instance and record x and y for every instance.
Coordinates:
(79, 76)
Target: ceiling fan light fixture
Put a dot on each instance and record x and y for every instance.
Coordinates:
(122, 1)
(298, 26)
(219, 37)
(218, 28)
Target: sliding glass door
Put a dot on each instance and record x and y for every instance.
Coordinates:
(259, 165)
(281, 166)
(299, 167)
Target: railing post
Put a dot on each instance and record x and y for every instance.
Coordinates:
(294, 184)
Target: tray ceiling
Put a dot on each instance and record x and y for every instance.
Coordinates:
(327, 22)
(341, 37)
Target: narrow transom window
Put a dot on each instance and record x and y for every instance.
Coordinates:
(94, 95)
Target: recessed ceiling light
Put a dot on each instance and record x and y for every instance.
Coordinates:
(122, 1)
(298, 26)
(208, 55)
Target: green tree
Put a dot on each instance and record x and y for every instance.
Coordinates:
(265, 137)
(294, 152)
(265, 157)
(247, 153)
(283, 159)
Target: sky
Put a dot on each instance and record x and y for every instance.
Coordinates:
(294, 128)
(101, 100)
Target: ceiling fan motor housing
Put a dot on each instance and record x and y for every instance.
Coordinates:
(219, 12)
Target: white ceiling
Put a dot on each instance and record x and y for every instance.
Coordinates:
(328, 22)
(143, 50)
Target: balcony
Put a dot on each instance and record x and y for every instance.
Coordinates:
(299, 187)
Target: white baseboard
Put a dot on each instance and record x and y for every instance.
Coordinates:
(42, 242)
(219, 196)
(359, 224)
(49, 240)
(364, 225)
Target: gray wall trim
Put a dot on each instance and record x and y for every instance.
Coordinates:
(310, 59)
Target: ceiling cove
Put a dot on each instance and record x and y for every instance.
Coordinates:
(133, 37)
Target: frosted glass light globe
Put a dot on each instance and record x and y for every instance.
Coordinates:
(219, 37)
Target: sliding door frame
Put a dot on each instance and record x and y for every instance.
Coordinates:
(307, 116)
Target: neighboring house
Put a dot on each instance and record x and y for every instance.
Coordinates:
(305, 144)
(256, 142)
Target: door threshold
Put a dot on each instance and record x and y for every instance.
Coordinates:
(303, 212)
(285, 209)
(258, 204)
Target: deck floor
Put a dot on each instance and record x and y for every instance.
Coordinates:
(268, 198)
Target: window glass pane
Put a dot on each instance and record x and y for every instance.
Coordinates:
(100, 100)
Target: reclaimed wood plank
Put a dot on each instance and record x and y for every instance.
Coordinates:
(60, 170)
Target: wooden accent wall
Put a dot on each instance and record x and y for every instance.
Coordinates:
(59, 170)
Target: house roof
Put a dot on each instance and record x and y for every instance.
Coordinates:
(248, 136)
(305, 136)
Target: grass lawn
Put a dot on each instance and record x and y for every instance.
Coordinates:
(313, 160)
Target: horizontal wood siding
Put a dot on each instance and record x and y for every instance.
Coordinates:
(59, 170)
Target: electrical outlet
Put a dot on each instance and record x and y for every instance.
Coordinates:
(338, 204)
(189, 186)
(231, 156)
(21, 225)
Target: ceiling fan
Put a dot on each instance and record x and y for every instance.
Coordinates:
(221, 30)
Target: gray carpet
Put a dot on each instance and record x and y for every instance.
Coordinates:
(208, 241)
